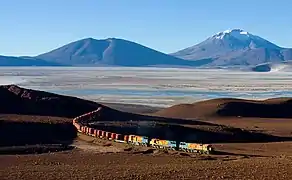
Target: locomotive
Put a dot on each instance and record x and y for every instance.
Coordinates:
(174, 145)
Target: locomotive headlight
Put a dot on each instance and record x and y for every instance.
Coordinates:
(210, 148)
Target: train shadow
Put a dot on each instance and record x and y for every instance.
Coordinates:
(188, 134)
(110, 115)
(235, 154)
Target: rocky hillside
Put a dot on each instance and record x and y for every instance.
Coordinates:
(17, 100)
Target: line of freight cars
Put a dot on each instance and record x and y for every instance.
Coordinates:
(144, 141)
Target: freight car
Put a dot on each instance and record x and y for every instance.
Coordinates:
(139, 140)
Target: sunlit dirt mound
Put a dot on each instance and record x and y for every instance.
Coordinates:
(270, 108)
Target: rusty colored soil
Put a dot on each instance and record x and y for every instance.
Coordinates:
(79, 164)
(100, 160)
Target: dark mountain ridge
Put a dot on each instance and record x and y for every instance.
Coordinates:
(25, 61)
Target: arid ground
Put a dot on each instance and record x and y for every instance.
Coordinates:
(97, 159)
(248, 144)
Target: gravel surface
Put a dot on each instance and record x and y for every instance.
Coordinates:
(84, 165)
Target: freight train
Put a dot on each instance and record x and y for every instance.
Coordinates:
(141, 140)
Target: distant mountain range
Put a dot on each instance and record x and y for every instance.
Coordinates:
(26, 61)
(225, 49)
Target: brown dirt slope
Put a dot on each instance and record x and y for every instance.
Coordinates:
(21, 101)
(17, 100)
(231, 107)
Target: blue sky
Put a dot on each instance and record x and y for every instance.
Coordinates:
(31, 27)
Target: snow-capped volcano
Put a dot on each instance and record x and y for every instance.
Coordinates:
(243, 38)
(237, 33)
(234, 47)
